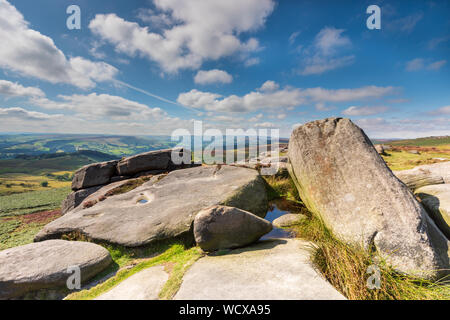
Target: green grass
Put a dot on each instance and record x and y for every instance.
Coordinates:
(281, 187)
(20, 230)
(403, 160)
(29, 202)
(345, 266)
(175, 257)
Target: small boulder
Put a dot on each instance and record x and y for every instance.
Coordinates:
(222, 227)
(288, 220)
(94, 175)
(436, 199)
(44, 265)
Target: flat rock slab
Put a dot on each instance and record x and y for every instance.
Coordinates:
(144, 285)
(268, 270)
(44, 265)
(163, 207)
(436, 199)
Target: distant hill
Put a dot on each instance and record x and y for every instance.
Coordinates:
(47, 163)
(419, 142)
(12, 146)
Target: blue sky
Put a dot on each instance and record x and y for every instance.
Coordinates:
(152, 66)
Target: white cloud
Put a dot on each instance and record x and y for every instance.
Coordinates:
(441, 111)
(364, 111)
(31, 53)
(404, 24)
(265, 125)
(206, 30)
(11, 89)
(277, 98)
(22, 114)
(323, 54)
(269, 85)
(422, 64)
(101, 106)
(293, 36)
(212, 76)
(404, 128)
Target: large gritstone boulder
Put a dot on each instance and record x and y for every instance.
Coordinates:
(75, 198)
(94, 175)
(341, 178)
(222, 227)
(436, 199)
(45, 265)
(163, 207)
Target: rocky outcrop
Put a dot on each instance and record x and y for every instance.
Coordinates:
(267, 270)
(163, 207)
(288, 220)
(94, 175)
(440, 169)
(341, 178)
(91, 178)
(222, 227)
(44, 265)
(436, 199)
(418, 177)
(75, 198)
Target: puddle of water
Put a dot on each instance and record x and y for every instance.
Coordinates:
(143, 201)
(274, 212)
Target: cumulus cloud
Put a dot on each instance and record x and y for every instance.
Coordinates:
(31, 53)
(205, 30)
(212, 76)
(422, 64)
(323, 55)
(22, 114)
(97, 106)
(268, 86)
(441, 111)
(14, 89)
(404, 128)
(277, 98)
(364, 111)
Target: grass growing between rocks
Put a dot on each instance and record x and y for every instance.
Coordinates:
(174, 256)
(345, 267)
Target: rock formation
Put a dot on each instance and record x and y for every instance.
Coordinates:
(341, 178)
(222, 227)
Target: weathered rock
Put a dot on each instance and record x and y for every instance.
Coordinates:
(222, 227)
(288, 220)
(44, 265)
(436, 199)
(341, 177)
(418, 177)
(151, 161)
(144, 285)
(94, 175)
(75, 198)
(441, 169)
(268, 270)
(413, 151)
(163, 207)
